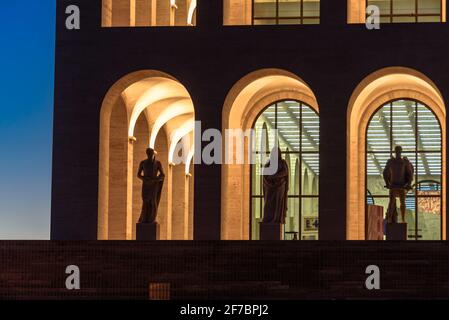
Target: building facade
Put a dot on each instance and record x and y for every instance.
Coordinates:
(138, 74)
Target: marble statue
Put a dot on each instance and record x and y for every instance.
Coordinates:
(152, 176)
(275, 190)
(398, 177)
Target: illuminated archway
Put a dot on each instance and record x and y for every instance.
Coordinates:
(145, 109)
(374, 91)
(245, 101)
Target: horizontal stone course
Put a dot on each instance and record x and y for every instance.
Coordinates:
(220, 270)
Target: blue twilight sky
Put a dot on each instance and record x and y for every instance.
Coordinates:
(27, 35)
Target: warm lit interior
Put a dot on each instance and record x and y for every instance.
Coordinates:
(243, 105)
(146, 13)
(298, 128)
(270, 12)
(413, 126)
(397, 11)
(395, 106)
(145, 109)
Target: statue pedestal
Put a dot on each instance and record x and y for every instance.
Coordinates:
(396, 231)
(147, 231)
(270, 231)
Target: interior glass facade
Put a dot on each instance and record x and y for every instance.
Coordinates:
(409, 10)
(298, 128)
(268, 12)
(415, 127)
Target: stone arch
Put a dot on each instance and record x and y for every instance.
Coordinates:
(376, 89)
(141, 98)
(245, 101)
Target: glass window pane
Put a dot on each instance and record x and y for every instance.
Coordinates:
(375, 165)
(289, 8)
(256, 185)
(310, 173)
(256, 216)
(404, 122)
(310, 222)
(264, 8)
(378, 134)
(431, 162)
(288, 124)
(383, 5)
(295, 175)
(429, 218)
(310, 133)
(311, 8)
(429, 19)
(429, 7)
(429, 132)
(289, 21)
(404, 7)
(264, 21)
(291, 229)
(403, 19)
(311, 21)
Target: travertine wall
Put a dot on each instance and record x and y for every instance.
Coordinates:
(164, 217)
(237, 12)
(356, 11)
(180, 203)
(118, 170)
(141, 133)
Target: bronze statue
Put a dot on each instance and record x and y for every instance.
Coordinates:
(275, 190)
(398, 177)
(152, 182)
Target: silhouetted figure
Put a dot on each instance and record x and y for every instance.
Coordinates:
(152, 182)
(398, 177)
(275, 190)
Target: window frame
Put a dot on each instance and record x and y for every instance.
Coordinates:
(416, 14)
(416, 174)
(300, 196)
(277, 18)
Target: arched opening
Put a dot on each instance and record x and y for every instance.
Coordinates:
(145, 109)
(395, 106)
(297, 125)
(413, 126)
(248, 98)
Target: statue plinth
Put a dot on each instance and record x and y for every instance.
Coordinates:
(396, 231)
(270, 231)
(147, 231)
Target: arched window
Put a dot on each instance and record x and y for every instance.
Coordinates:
(297, 125)
(413, 126)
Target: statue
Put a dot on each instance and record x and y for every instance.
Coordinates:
(398, 177)
(275, 190)
(152, 182)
